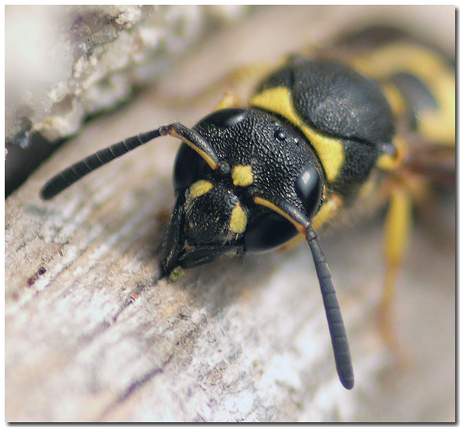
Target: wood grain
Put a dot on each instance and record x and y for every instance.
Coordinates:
(91, 335)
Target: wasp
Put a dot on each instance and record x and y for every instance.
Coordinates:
(323, 132)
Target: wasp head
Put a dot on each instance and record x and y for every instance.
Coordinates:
(240, 177)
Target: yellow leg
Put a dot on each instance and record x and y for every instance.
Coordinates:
(397, 230)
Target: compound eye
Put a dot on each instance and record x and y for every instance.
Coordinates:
(308, 188)
(187, 167)
(227, 117)
(268, 232)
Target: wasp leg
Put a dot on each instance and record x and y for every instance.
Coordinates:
(397, 230)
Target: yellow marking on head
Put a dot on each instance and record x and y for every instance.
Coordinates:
(330, 150)
(242, 176)
(264, 202)
(199, 188)
(238, 220)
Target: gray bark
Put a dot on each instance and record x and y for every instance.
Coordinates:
(91, 336)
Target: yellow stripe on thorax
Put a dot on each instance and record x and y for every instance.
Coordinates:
(330, 151)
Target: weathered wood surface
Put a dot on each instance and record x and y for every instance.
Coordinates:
(94, 338)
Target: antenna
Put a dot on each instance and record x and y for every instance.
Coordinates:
(82, 168)
(334, 317)
(189, 136)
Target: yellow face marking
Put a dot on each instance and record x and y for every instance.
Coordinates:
(330, 150)
(199, 188)
(238, 220)
(242, 176)
(264, 202)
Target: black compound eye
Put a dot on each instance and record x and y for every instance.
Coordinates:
(227, 117)
(268, 232)
(308, 188)
(187, 167)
